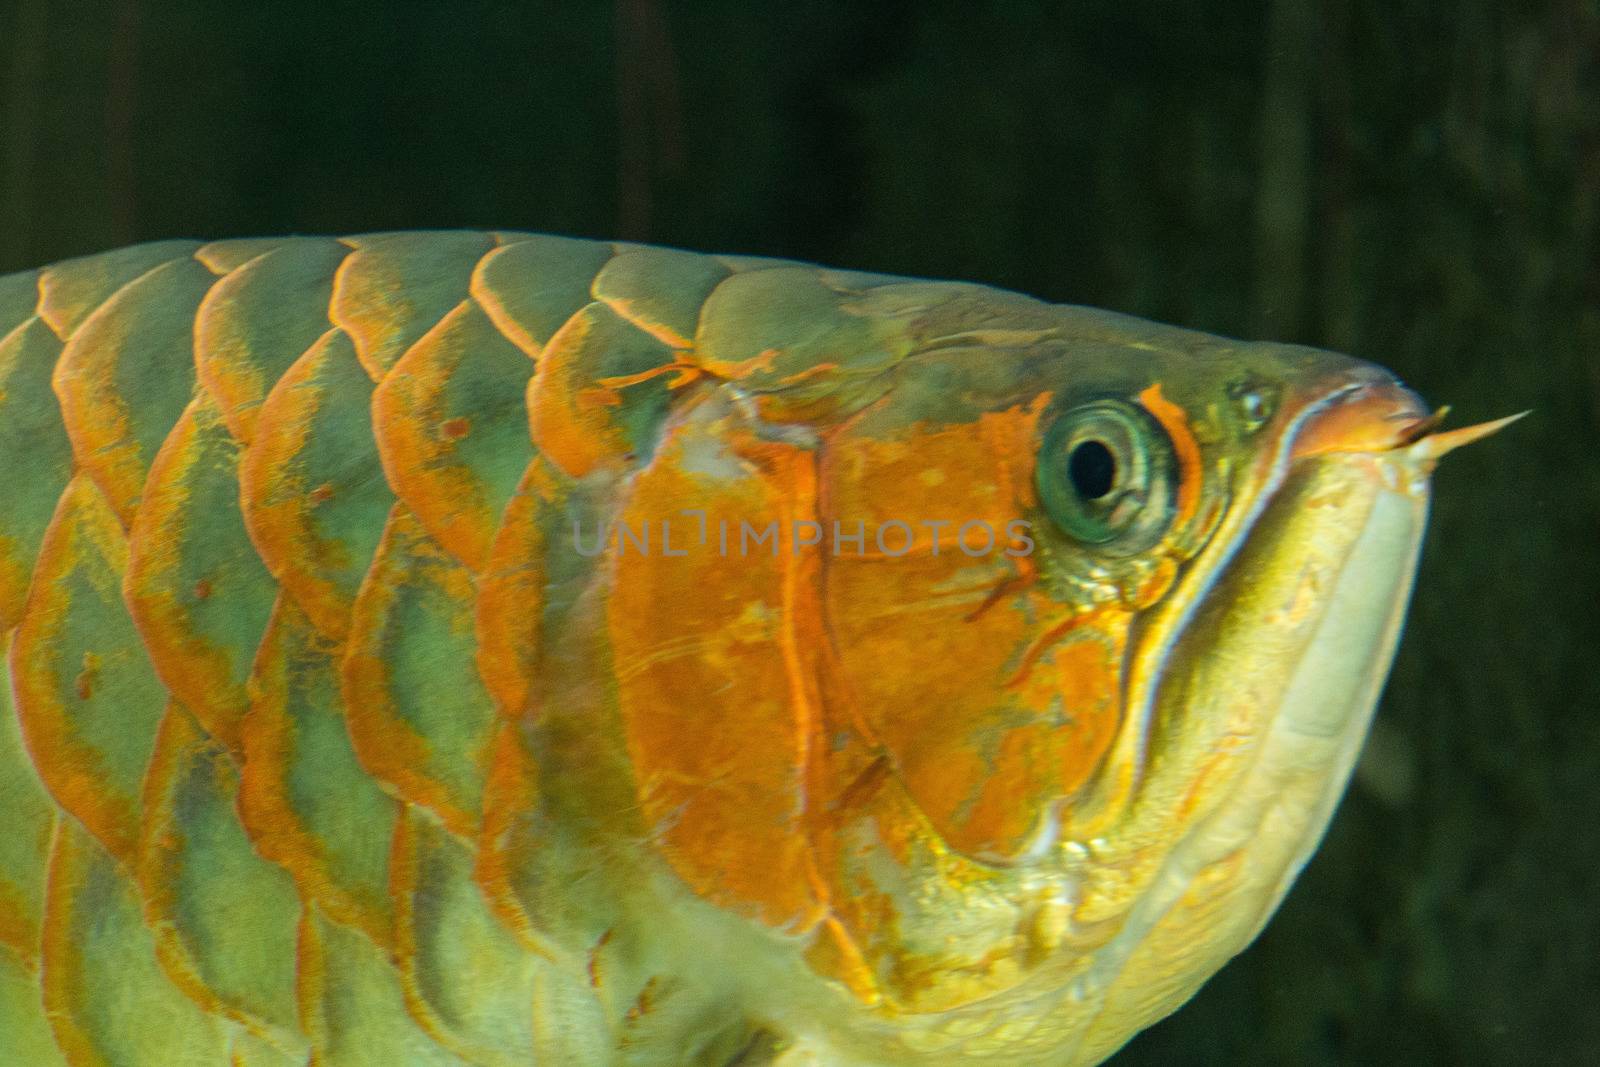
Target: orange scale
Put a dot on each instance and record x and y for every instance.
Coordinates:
(451, 430)
(87, 699)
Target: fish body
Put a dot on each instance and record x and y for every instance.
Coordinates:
(492, 648)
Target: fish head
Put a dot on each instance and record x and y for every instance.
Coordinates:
(1037, 658)
(1110, 734)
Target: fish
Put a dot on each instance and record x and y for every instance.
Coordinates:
(494, 648)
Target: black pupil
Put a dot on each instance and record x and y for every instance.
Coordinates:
(1093, 469)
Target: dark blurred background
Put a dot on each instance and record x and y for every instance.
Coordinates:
(1417, 183)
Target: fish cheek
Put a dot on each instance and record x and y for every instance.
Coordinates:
(990, 699)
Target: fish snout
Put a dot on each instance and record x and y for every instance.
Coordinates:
(1377, 414)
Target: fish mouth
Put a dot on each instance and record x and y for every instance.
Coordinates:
(1359, 421)
(1293, 623)
(1259, 684)
(1271, 680)
(1337, 416)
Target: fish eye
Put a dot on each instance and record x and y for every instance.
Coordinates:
(1106, 476)
(1092, 468)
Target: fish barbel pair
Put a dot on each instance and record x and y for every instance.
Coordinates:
(502, 649)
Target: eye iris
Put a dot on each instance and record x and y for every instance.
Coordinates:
(1093, 469)
(1106, 476)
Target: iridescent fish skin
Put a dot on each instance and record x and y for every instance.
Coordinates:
(492, 648)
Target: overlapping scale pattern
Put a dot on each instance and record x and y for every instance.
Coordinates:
(282, 551)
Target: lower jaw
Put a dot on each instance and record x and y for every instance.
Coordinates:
(1258, 725)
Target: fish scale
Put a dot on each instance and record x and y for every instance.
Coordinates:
(169, 586)
(269, 307)
(304, 800)
(311, 484)
(31, 430)
(326, 740)
(25, 846)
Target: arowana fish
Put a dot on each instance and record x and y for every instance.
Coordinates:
(488, 648)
